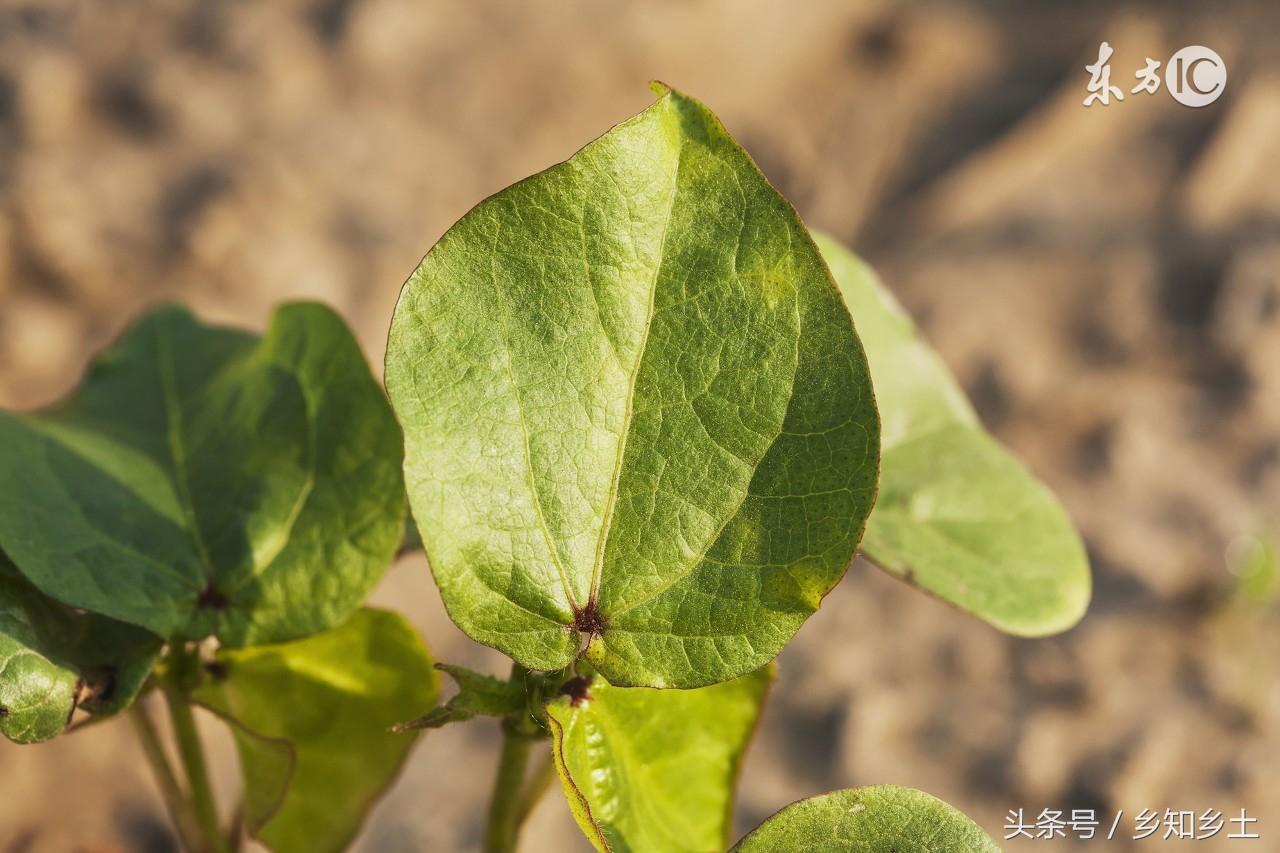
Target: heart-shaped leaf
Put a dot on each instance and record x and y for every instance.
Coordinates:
(646, 769)
(202, 481)
(54, 659)
(957, 515)
(312, 721)
(875, 819)
(635, 410)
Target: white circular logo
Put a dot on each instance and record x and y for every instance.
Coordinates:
(1195, 76)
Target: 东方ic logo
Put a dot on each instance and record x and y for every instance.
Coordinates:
(1195, 77)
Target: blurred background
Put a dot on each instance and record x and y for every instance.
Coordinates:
(1105, 282)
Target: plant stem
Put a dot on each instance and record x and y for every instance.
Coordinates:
(507, 806)
(175, 800)
(192, 754)
(539, 781)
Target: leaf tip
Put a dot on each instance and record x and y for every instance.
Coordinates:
(659, 88)
(1072, 609)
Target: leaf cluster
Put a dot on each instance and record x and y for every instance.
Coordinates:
(644, 420)
(205, 487)
(642, 441)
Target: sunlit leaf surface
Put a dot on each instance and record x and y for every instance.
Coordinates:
(636, 413)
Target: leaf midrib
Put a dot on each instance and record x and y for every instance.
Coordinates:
(606, 523)
(174, 444)
(284, 533)
(178, 460)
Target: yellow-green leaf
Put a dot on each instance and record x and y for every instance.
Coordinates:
(636, 413)
(653, 771)
(313, 719)
(957, 514)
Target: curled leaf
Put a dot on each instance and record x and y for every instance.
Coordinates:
(54, 660)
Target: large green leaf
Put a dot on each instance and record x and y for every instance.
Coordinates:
(636, 412)
(202, 481)
(957, 515)
(313, 720)
(54, 659)
(877, 819)
(651, 770)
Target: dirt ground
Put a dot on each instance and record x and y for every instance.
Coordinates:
(1105, 281)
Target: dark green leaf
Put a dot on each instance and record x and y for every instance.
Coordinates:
(313, 720)
(202, 482)
(636, 411)
(54, 659)
(878, 819)
(478, 695)
(655, 770)
(957, 515)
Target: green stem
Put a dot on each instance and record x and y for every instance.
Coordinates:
(193, 762)
(175, 800)
(539, 781)
(506, 806)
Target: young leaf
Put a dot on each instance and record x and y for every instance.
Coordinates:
(54, 659)
(868, 820)
(203, 482)
(957, 515)
(647, 769)
(312, 721)
(636, 412)
(478, 695)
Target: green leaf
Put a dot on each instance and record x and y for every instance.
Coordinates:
(957, 514)
(478, 695)
(876, 819)
(635, 408)
(655, 770)
(312, 720)
(54, 659)
(202, 481)
(1256, 562)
